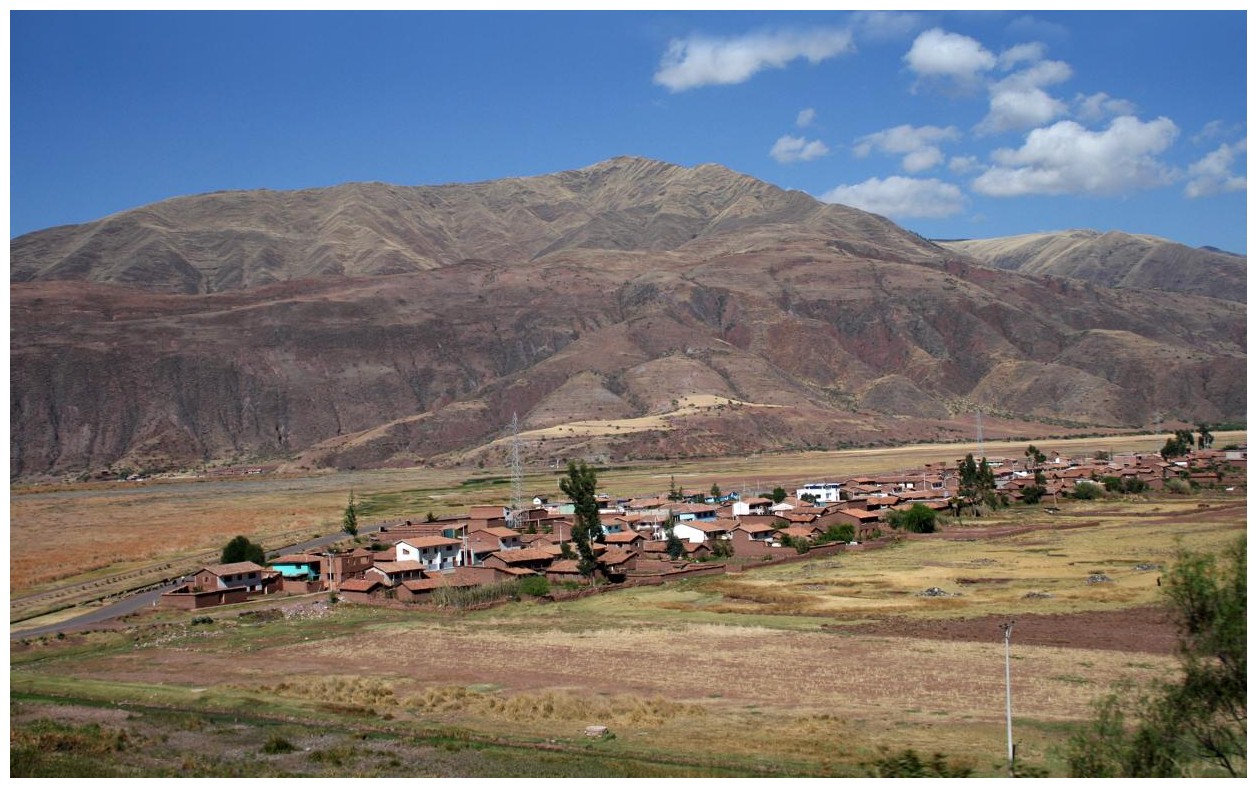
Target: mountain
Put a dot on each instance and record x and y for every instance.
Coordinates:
(1115, 259)
(632, 309)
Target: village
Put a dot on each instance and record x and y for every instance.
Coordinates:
(680, 533)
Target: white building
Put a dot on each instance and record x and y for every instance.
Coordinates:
(434, 552)
(823, 492)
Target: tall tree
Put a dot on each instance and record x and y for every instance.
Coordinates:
(1205, 439)
(674, 492)
(674, 545)
(977, 482)
(1202, 717)
(779, 494)
(241, 549)
(1178, 445)
(350, 523)
(580, 485)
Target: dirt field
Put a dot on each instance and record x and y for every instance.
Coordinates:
(800, 669)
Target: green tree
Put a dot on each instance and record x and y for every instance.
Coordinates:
(674, 492)
(350, 523)
(977, 482)
(779, 494)
(715, 490)
(1202, 717)
(241, 549)
(721, 548)
(1034, 457)
(1205, 439)
(919, 519)
(580, 485)
(675, 547)
(1178, 444)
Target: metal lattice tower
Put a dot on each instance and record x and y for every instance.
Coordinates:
(517, 471)
(980, 452)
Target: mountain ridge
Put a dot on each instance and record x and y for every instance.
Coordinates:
(409, 324)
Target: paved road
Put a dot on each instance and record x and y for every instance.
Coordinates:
(150, 597)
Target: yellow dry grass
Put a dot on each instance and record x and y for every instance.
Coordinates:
(989, 576)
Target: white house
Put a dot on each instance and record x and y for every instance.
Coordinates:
(823, 492)
(751, 506)
(700, 531)
(434, 552)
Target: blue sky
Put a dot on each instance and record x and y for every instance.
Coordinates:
(954, 124)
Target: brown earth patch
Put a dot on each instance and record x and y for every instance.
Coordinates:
(1141, 629)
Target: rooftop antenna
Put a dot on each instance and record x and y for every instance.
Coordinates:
(517, 473)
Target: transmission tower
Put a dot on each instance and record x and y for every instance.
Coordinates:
(517, 472)
(980, 452)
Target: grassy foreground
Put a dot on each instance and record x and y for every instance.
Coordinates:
(772, 672)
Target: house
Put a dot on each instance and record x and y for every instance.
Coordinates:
(392, 573)
(751, 506)
(690, 512)
(808, 532)
(244, 574)
(699, 531)
(482, 517)
(419, 590)
(223, 584)
(616, 563)
(532, 559)
(821, 492)
(347, 565)
(565, 571)
(298, 566)
(433, 552)
(361, 589)
(758, 531)
(864, 522)
(627, 540)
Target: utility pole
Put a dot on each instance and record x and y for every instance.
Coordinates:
(1008, 690)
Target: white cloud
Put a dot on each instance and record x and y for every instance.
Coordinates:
(788, 150)
(1099, 106)
(937, 54)
(1022, 53)
(901, 197)
(1012, 110)
(1212, 174)
(805, 118)
(1214, 129)
(1019, 102)
(962, 164)
(884, 25)
(917, 144)
(1031, 27)
(1066, 158)
(697, 61)
(923, 159)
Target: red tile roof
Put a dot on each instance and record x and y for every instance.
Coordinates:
(363, 584)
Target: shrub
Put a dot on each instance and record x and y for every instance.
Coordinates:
(277, 745)
(920, 519)
(907, 763)
(1088, 491)
(1178, 487)
(534, 586)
